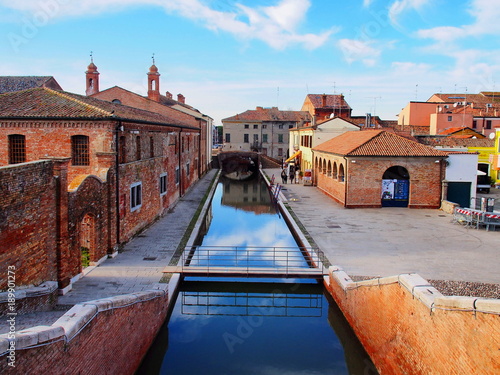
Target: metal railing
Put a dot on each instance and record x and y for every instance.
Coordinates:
(250, 258)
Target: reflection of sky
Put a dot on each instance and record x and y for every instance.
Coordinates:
(234, 227)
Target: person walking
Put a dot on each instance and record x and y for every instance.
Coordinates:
(292, 174)
(284, 177)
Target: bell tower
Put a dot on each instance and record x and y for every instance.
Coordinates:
(92, 78)
(154, 82)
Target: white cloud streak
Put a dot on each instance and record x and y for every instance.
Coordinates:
(401, 6)
(277, 25)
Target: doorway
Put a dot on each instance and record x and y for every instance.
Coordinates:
(395, 187)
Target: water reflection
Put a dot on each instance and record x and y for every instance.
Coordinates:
(242, 215)
(267, 328)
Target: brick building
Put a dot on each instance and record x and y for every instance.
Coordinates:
(80, 176)
(375, 168)
(263, 130)
(326, 106)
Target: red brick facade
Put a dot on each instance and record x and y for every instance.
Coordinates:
(78, 208)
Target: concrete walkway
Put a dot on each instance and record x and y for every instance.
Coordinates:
(391, 241)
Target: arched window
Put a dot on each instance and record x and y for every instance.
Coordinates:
(341, 173)
(80, 154)
(324, 166)
(117, 101)
(329, 169)
(335, 170)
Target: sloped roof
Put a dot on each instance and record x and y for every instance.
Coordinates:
(44, 102)
(332, 101)
(269, 114)
(18, 83)
(376, 143)
(441, 141)
(463, 130)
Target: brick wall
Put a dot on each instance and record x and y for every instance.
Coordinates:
(410, 332)
(27, 223)
(111, 341)
(363, 181)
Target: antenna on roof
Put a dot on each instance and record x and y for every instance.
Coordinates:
(153, 57)
(91, 57)
(334, 87)
(416, 91)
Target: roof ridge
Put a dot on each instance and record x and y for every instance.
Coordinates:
(64, 95)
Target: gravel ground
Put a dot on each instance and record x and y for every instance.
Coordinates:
(457, 288)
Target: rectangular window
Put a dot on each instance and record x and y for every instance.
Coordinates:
(264, 126)
(474, 124)
(135, 196)
(177, 175)
(256, 126)
(17, 149)
(264, 138)
(280, 138)
(488, 124)
(255, 137)
(188, 166)
(280, 152)
(80, 150)
(245, 138)
(280, 126)
(163, 184)
(228, 137)
(450, 118)
(151, 147)
(247, 126)
(138, 148)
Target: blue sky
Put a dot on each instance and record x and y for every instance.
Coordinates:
(227, 56)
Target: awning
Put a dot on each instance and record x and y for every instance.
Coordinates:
(293, 156)
(481, 173)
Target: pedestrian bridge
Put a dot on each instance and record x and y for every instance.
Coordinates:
(268, 262)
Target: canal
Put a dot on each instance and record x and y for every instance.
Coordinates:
(247, 325)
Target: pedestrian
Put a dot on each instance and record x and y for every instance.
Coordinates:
(284, 177)
(292, 175)
(297, 175)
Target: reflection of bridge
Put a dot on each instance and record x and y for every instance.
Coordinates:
(268, 262)
(238, 165)
(251, 299)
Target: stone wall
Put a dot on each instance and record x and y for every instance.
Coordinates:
(408, 327)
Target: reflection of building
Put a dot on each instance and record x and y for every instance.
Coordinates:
(263, 130)
(352, 167)
(252, 195)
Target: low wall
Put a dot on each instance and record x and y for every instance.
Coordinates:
(106, 336)
(408, 327)
(38, 298)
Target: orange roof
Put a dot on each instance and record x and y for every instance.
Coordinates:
(376, 143)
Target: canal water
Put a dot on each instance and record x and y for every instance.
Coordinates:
(253, 326)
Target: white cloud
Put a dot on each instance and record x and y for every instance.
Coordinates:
(275, 25)
(486, 14)
(358, 50)
(401, 6)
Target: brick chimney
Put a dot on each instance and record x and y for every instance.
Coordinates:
(323, 97)
(169, 95)
(181, 98)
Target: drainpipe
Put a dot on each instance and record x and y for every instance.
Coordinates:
(117, 179)
(346, 173)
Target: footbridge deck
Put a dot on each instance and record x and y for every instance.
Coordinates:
(258, 262)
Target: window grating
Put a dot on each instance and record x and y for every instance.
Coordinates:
(80, 150)
(17, 149)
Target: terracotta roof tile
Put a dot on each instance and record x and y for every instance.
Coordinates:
(18, 83)
(376, 143)
(332, 101)
(43, 102)
(269, 114)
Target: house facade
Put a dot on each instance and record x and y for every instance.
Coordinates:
(80, 176)
(322, 107)
(304, 139)
(263, 130)
(375, 168)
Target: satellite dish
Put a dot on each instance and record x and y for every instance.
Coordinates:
(491, 136)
